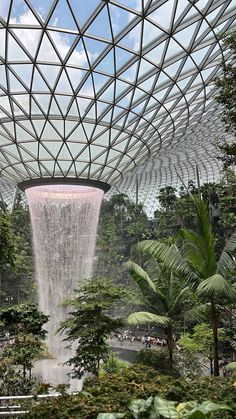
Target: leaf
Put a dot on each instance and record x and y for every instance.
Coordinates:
(139, 406)
(110, 415)
(166, 408)
(209, 407)
(216, 286)
(143, 317)
(139, 275)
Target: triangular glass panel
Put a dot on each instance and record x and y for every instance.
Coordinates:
(69, 126)
(64, 154)
(107, 117)
(103, 140)
(15, 85)
(54, 109)
(34, 108)
(24, 71)
(42, 8)
(38, 126)
(78, 56)
(50, 134)
(147, 84)
(52, 147)
(87, 88)
(150, 33)
(106, 65)
(20, 8)
(3, 81)
(125, 101)
(73, 110)
(94, 48)
(47, 52)
(21, 134)
(31, 148)
(121, 87)
(75, 148)
(162, 16)
(43, 101)
(23, 101)
(2, 42)
(14, 51)
(133, 39)
(172, 69)
(64, 102)
(58, 124)
(100, 27)
(30, 40)
(91, 113)
(50, 73)
(184, 37)
(83, 104)
(5, 8)
(156, 54)
(109, 93)
(62, 17)
(89, 129)
(84, 155)
(199, 56)
(173, 49)
(145, 67)
(62, 42)
(119, 18)
(83, 10)
(39, 84)
(78, 135)
(63, 85)
(75, 76)
(99, 80)
(5, 107)
(131, 73)
(182, 8)
(64, 166)
(122, 57)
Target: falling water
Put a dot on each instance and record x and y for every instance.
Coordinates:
(64, 222)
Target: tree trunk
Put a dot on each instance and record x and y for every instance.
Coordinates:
(214, 325)
(170, 344)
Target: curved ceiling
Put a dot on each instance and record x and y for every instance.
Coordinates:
(96, 89)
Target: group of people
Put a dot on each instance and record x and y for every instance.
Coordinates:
(146, 340)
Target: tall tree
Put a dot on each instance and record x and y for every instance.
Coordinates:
(227, 98)
(89, 324)
(162, 294)
(199, 265)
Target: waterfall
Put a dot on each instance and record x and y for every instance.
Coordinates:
(64, 223)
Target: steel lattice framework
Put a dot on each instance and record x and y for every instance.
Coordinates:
(116, 91)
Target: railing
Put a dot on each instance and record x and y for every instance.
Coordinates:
(10, 410)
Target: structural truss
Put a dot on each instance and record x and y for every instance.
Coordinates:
(116, 91)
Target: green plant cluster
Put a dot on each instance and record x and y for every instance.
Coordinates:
(113, 393)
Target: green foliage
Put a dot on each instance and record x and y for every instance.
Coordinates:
(25, 318)
(113, 392)
(227, 85)
(155, 358)
(7, 249)
(25, 323)
(90, 324)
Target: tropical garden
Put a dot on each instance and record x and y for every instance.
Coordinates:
(171, 277)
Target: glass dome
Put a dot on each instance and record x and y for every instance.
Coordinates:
(100, 89)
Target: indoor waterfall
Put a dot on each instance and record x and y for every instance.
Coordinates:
(64, 223)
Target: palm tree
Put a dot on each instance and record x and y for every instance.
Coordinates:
(161, 293)
(197, 263)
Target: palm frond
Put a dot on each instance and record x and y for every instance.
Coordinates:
(216, 286)
(180, 297)
(139, 275)
(198, 313)
(143, 317)
(170, 256)
(226, 261)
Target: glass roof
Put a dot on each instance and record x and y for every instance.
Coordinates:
(96, 88)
